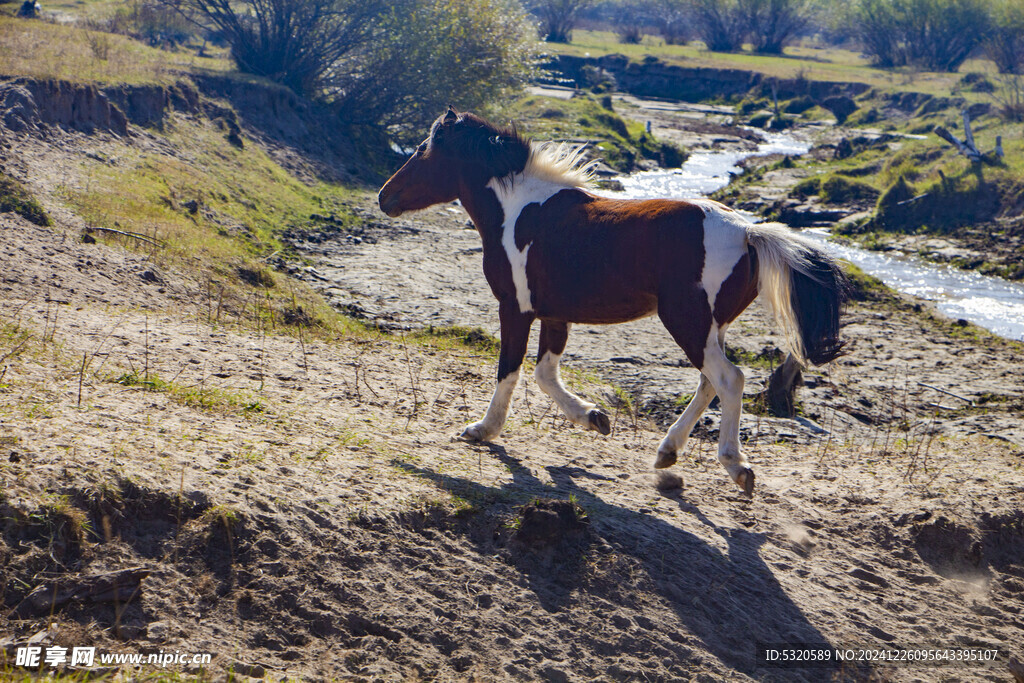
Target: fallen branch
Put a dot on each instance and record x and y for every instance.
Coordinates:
(968, 151)
(947, 393)
(128, 234)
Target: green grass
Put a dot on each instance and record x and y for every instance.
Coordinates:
(806, 60)
(15, 198)
(199, 397)
(619, 142)
(456, 336)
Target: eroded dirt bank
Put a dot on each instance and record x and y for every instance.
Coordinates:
(303, 511)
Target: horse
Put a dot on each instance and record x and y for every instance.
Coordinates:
(554, 251)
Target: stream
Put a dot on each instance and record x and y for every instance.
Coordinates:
(990, 302)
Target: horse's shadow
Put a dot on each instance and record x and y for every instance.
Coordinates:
(730, 600)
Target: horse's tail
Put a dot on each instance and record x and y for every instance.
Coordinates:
(804, 287)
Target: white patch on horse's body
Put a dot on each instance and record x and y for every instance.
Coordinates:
(725, 243)
(548, 170)
(497, 412)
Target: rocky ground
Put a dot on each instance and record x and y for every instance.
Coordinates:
(296, 504)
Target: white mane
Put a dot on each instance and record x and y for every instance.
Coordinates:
(559, 163)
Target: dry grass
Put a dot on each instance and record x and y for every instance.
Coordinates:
(43, 50)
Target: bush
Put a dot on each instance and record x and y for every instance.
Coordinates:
(394, 64)
(938, 35)
(429, 53)
(1005, 43)
(557, 17)
(772, 24)
(721, 24)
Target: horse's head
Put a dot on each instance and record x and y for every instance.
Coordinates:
(461, 149)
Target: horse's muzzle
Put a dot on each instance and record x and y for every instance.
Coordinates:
(389, 204)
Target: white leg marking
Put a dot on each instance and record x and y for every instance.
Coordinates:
(497, 412)
(550, 381)
(677, 435)
(515, 196)
(728, 381)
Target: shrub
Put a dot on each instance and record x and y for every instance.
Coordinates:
(429, 53)
(938, 35)
(721, 24)
(394, 64)
(1005, 42)
(557, 17)
(839, 190)
(772, 24)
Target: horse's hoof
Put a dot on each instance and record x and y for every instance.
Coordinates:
(665, 459)
(476, 432)
(599, 421)
(746, 481)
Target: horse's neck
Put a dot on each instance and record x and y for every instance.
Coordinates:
(483, 208)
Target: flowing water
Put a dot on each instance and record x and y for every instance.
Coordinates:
(991, 302)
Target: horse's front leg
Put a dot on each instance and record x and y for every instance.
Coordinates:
(553, 336)
(515, 332)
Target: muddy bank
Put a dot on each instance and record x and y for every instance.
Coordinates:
(654, 78)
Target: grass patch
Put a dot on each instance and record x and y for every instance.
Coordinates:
(834, 189)
(807, 60)
(43, 50)
(199, 397)
(15, 198)
(619, 142)
(864, 287)
(453, 336)
(767, 358)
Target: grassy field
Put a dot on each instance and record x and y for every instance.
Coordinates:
(806, 60)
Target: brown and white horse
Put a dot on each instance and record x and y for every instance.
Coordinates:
(553, 251)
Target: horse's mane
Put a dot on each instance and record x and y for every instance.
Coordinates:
(559, 163)
(508, 154)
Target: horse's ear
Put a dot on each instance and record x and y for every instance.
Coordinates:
(451, 115)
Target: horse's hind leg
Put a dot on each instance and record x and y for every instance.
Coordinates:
(553, 336)
(728, 381)
(688, 318)
(679, 432)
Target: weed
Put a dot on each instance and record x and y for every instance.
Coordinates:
(15, 198)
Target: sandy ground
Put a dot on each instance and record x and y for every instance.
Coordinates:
(304, 511)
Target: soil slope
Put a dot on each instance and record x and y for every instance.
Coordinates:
(303, 510)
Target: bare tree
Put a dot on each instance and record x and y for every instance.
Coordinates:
(630, 17)
(1005, 43)
(557, 17)
(293, 42)
(721, 24)
(937, 35)
(774, 23)
(673, 19)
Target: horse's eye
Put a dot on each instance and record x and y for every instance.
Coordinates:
(422, 148)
